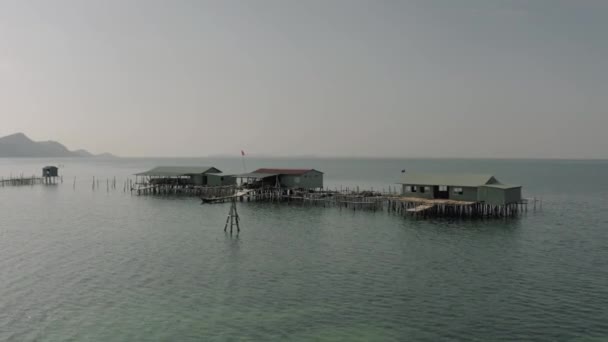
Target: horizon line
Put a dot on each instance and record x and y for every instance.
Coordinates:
(324, 157)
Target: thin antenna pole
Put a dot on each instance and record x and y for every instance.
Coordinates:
(243, 160)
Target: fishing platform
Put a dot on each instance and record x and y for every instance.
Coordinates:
(418, 195)
(50, 175)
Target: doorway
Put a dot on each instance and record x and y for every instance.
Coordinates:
(441, 192)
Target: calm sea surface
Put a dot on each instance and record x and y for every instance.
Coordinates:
(84, 265)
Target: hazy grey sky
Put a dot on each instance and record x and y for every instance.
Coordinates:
(468, 78)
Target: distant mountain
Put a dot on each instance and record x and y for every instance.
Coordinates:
(84, 153)
(19, 145)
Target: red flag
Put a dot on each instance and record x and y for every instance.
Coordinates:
(242, 153)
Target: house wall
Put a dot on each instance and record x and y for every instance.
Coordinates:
(196, 180)
(52, 172)
(213, 180)
(220, 180)
(497, 196)
(468, 194)
(513, 195)
(270, 181)
(428, 193)
(228, 180)
(309, 180)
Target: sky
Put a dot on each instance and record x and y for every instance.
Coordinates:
(424, 78)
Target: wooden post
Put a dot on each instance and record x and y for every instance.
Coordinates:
(233, 217)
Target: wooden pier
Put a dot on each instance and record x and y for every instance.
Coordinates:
(405, 206)
(325, 198)
(25, 181)
(50, 176)
(349, 199)
(342, 199)
(420, 207)
(182, 190)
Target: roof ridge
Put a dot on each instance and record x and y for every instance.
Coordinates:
(177, 170)
(287, 171)
(449, 179)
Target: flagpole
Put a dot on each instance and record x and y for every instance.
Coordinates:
(243, 160)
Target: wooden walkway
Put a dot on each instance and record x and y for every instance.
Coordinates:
(420, 208)
(222, 199)
(451, 208)
(412, 206)
(355, 200)
(24, 181)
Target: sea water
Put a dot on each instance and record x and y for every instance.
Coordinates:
(86, 264)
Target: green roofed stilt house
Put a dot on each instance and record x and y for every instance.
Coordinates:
(460, 187)
(187, 175)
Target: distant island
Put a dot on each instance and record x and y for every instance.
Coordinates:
(18, 145)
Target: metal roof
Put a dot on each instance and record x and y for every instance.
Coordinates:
(502, 186)
(176, 171)
(256, 175)
(285, 171)
(466, 180)
(220, 174)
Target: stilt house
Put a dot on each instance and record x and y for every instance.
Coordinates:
(460, 187)
(284, 178)
(187, 175)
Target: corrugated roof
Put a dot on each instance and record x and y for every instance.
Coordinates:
(255, 175)
(176, 171)
(220, 174)
(285, 171)
(467, 180)
(502, 186)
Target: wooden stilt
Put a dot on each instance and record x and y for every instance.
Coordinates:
(233, 217)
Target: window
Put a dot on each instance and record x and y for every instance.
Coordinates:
(427, 189)
(414, 188)
(408, 188)
(296, 180)
(458, 191)
(443, 188)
